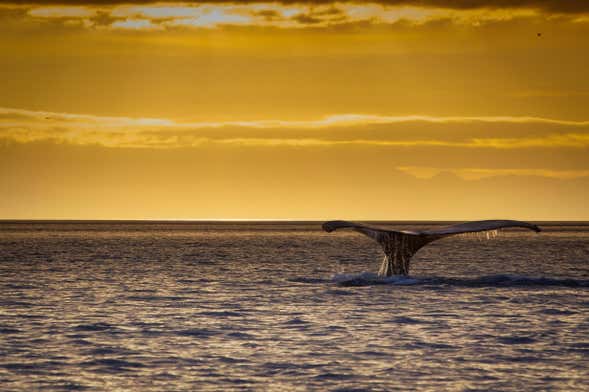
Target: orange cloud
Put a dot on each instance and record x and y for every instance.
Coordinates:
(159, 16)
(25, 126)
(479, 173)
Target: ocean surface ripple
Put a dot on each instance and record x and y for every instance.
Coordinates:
(284, 306)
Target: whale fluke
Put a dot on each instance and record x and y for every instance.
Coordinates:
(400, 246)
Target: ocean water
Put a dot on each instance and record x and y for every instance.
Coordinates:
(285, 306)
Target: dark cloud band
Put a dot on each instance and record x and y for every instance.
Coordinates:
(553, 6)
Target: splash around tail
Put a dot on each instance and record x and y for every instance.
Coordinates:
(371, 279)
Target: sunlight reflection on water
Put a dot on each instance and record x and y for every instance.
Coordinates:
(241, 306)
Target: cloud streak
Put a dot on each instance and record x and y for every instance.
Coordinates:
(343, 130)
(150, 16)
(480, 173)
(563, 6)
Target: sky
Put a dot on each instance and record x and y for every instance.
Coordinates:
(384, 110)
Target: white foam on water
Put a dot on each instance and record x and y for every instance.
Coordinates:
(368, 278)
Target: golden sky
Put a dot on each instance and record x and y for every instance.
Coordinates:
(431, 109)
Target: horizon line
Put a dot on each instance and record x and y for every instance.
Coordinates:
(240, 220)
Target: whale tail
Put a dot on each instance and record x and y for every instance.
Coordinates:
(400, 246)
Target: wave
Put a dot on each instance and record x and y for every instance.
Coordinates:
(369, 279)
(501, 280)
(505, 280)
